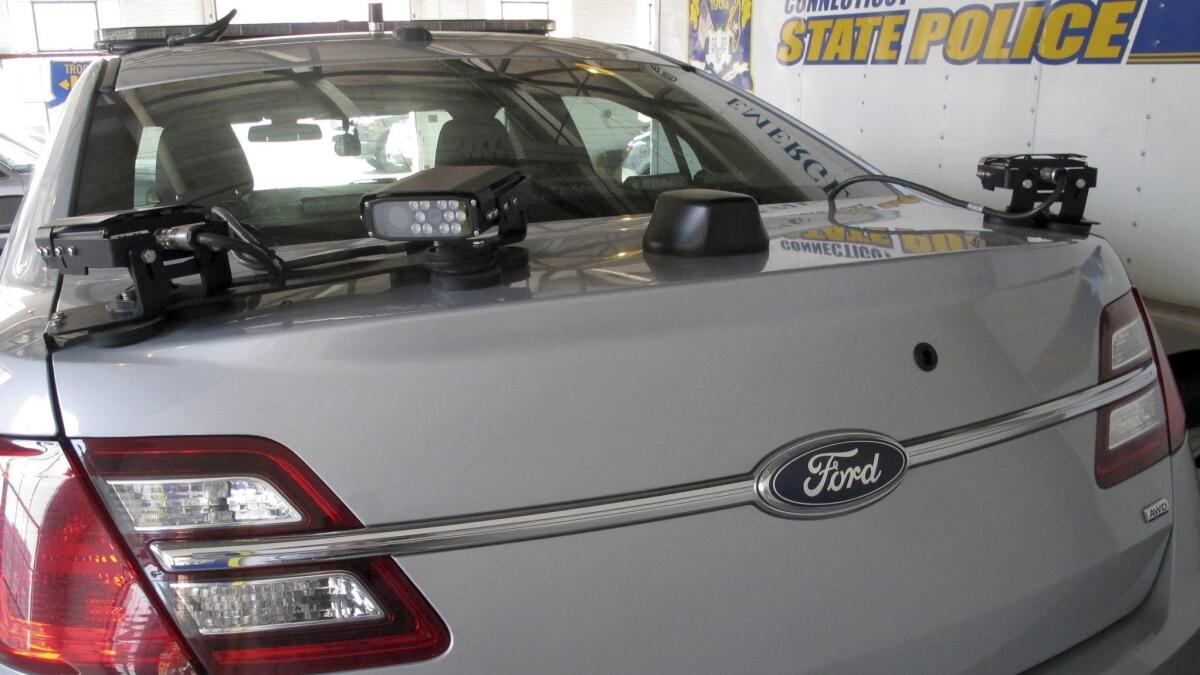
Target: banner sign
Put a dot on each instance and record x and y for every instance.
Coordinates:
(63, 75)
(719, 39)
(890, 32)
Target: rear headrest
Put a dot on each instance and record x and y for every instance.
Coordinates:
(208, 161)
(471, 142)
(660, 182)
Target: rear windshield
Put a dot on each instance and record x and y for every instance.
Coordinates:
(291, 151)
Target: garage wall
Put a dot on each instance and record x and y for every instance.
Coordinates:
(450, 9)
(620, 21)
(932, 121)
(5, 28)
(162, 12)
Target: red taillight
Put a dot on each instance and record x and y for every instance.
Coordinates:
(409, 632)
(70, 600)
(110, 460)
(335, 616)
(1139, 430)
(1176, 412)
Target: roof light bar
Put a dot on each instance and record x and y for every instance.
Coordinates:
(134, 38)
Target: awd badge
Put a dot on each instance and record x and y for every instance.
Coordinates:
(1156, 510)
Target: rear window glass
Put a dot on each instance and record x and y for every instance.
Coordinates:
(291, 151)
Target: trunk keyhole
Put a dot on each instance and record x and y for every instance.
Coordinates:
(925, 356)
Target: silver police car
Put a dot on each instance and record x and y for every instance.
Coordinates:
(530, 407)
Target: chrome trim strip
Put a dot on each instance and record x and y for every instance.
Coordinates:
(980, 435)
(512, 526)
(440, 535)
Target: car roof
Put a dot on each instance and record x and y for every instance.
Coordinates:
(174, 64)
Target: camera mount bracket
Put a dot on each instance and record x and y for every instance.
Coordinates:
(1035, 179)
(133, 240)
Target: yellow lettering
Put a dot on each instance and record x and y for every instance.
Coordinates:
(857, 236)
(818, 32)
(880, 238)
(933, 25)
(1057, 45)
(791, 42)
(1109, 25)
(841, 42)
(1002, 22)
(887, 47)
(1027, 33)
(967, 35)
(865, 29)
(854, 235)
(827, 233)
(916, 243)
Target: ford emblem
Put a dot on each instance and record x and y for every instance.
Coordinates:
(830, 474)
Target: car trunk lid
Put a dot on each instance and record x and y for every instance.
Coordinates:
(607, 373)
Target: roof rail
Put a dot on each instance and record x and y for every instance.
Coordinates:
(131, 39)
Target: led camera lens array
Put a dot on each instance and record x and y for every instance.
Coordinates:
(426, 218)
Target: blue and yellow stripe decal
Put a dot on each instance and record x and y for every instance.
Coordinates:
(1050, 32)
(1169, 33)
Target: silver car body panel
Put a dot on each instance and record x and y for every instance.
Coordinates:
(494, 350)
(26, 287)
(737, 591)
(412, 538)
(601, 376)
(1160, 635)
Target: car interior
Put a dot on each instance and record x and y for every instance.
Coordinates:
(592, 150)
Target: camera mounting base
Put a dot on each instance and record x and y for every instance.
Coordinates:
(471, 265)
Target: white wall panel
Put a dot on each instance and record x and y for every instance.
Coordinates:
(608, 21)
(266, 11)
(161, 12)
(673, 28)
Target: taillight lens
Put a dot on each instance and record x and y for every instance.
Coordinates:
(188, 503)
(1124, 340)
(1139, 430)
(306, 619)
(71, 601)
(1176, 412)
(348, 615)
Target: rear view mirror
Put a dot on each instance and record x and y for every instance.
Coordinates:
(347, 145)
(283, 132)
